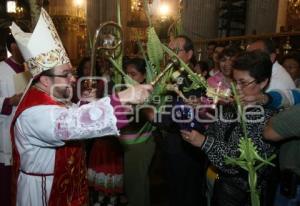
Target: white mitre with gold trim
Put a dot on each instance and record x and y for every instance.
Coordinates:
(42, 49)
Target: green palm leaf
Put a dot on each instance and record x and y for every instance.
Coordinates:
(154, 49)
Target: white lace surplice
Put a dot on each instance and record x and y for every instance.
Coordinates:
(40, 129)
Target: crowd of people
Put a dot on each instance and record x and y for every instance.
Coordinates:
(59, 146)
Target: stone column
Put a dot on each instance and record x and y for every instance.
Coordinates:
(106, 10)
(99, 12)
(261, 16)
(200, 18)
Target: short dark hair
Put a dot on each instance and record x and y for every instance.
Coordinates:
(81, 64)
(294, 55)
(10, 40)
(230, 52)
(139, 63)
(269, 45)
(258, 64)
(188, 44)
(48, 72)
(212, 43)
(221, 44)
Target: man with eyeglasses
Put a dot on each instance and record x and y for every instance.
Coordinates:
(185, 166)
(49, 161)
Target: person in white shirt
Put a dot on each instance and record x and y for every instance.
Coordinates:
(280, 80)
(280, 77)
(8, 102)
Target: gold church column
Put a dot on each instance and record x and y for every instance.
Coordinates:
(200, 18)
(69, 17)
(281, 14)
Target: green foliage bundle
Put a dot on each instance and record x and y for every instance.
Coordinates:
(249, 158)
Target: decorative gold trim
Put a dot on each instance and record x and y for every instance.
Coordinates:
(47, 61)
(54, 57)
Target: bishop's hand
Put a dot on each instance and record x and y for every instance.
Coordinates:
(137, 94)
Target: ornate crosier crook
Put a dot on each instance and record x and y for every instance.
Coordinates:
(110, 45)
